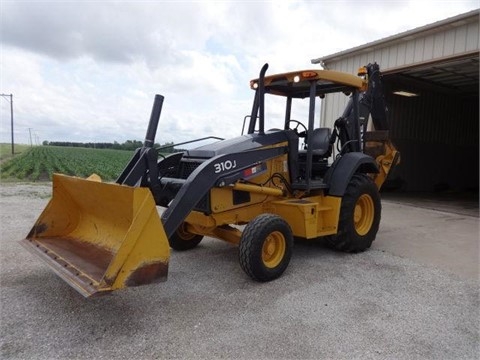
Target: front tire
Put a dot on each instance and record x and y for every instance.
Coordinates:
(182, 240)
(265, 247)
(360, 214)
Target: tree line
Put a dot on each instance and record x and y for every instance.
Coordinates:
(127, 145)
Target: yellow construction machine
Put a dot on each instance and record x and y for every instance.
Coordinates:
(259, 190)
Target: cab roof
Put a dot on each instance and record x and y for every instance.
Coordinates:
(297, 83)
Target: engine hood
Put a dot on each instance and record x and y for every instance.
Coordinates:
(239, 144)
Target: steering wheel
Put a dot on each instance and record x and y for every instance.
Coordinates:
(295, 128)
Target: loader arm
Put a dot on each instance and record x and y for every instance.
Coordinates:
(205, 177)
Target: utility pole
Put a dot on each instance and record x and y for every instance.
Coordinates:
(30, 132)
(11, 116)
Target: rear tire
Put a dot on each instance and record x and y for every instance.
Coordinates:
(265, 247)
(360, 214)
(182, 240)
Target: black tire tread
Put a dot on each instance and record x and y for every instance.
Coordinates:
(347, 240)
(250, 247)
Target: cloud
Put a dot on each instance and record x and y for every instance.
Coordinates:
(122, 32)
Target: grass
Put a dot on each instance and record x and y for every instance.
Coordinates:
(38, 163)
(6, 150)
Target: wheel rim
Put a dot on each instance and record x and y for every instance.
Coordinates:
(184, 234)
(364, 214)
(273, 249)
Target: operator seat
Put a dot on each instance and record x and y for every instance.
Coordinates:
(320, 144)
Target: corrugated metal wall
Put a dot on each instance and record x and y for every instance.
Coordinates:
(443, 42)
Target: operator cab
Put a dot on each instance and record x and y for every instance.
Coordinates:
(311, 162)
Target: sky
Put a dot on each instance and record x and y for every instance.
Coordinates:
(88, 71)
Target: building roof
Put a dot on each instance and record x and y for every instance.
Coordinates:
(471, 16)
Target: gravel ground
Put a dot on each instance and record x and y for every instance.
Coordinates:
(328, 305)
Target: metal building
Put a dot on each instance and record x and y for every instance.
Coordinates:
(431, 79)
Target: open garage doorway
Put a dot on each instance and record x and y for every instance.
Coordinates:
(434, 116)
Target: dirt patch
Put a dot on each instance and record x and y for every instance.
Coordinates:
(40, 190)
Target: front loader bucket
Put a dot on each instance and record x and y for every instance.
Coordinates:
(100, 237)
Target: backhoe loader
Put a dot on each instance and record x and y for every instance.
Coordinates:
(259, 191)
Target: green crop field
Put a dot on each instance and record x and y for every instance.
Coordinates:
(38, 163)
